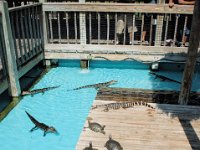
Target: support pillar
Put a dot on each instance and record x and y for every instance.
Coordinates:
(14, 86)
(192, 56)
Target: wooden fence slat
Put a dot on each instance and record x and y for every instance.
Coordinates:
(90, 28)
(133, 30)
(37, 29)
(67, 25)
(19, 38)
(59, 32)
(31, 32)
(99, 27)
(125, 23)
(175, 30)
(23, 36)
(33, 21)
(108, 27)
(166, 29)
(14, 37)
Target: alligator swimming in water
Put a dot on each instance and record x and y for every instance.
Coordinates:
(113, 145)
(90, 147)
(42, 126)
(163, 77)
(96, 127)
(38, 91)
(98, 85)
(123, 105)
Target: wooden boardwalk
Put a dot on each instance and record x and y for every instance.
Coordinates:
(168, 127)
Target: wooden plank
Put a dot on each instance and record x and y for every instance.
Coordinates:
(117, 7)
(10, 52)
(111, 57)
(23, 7)
(22, 56)
(30, 65)
(3, 86)
(25, 51)
(82, 20)
(31, 32)
(159, 28)
(149, 50)
(33, 23)
(14, 37)
(37, 38)
(142, 128)
(27, 33)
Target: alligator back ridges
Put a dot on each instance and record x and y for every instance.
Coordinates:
(123, 105)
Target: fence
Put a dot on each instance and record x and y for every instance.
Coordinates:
(142, 24)
(21, 43)
(27, 31)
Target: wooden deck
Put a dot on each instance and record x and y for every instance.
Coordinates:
(171, 127)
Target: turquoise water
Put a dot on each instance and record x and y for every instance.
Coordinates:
(67, 111)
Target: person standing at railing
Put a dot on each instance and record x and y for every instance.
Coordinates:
(121, 25)
(147, 19)
(181, 18)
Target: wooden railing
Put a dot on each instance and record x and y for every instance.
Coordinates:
(27, 31)
(21, 43)
(97, 23)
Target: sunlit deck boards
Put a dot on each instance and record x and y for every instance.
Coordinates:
(139, 128)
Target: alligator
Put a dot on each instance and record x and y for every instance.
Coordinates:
(163, 77)
(97, 86)
(42, 126)
(96, 127)
(90, 147)
(113, 145)
(33, 92)
(123, 105)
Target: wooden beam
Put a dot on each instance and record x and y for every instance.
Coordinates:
(148, 50)
(117, 7)
(3, 85)
(23, 7)
(10, 51)
(30, 65)
(192, 56)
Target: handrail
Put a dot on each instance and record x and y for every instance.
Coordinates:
(117, 7)
(23, 7)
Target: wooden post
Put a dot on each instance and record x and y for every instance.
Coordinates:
(10, 51)
(84, 63)
(159, 26)
(82, 25)
(44, 29)
(192, 56)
